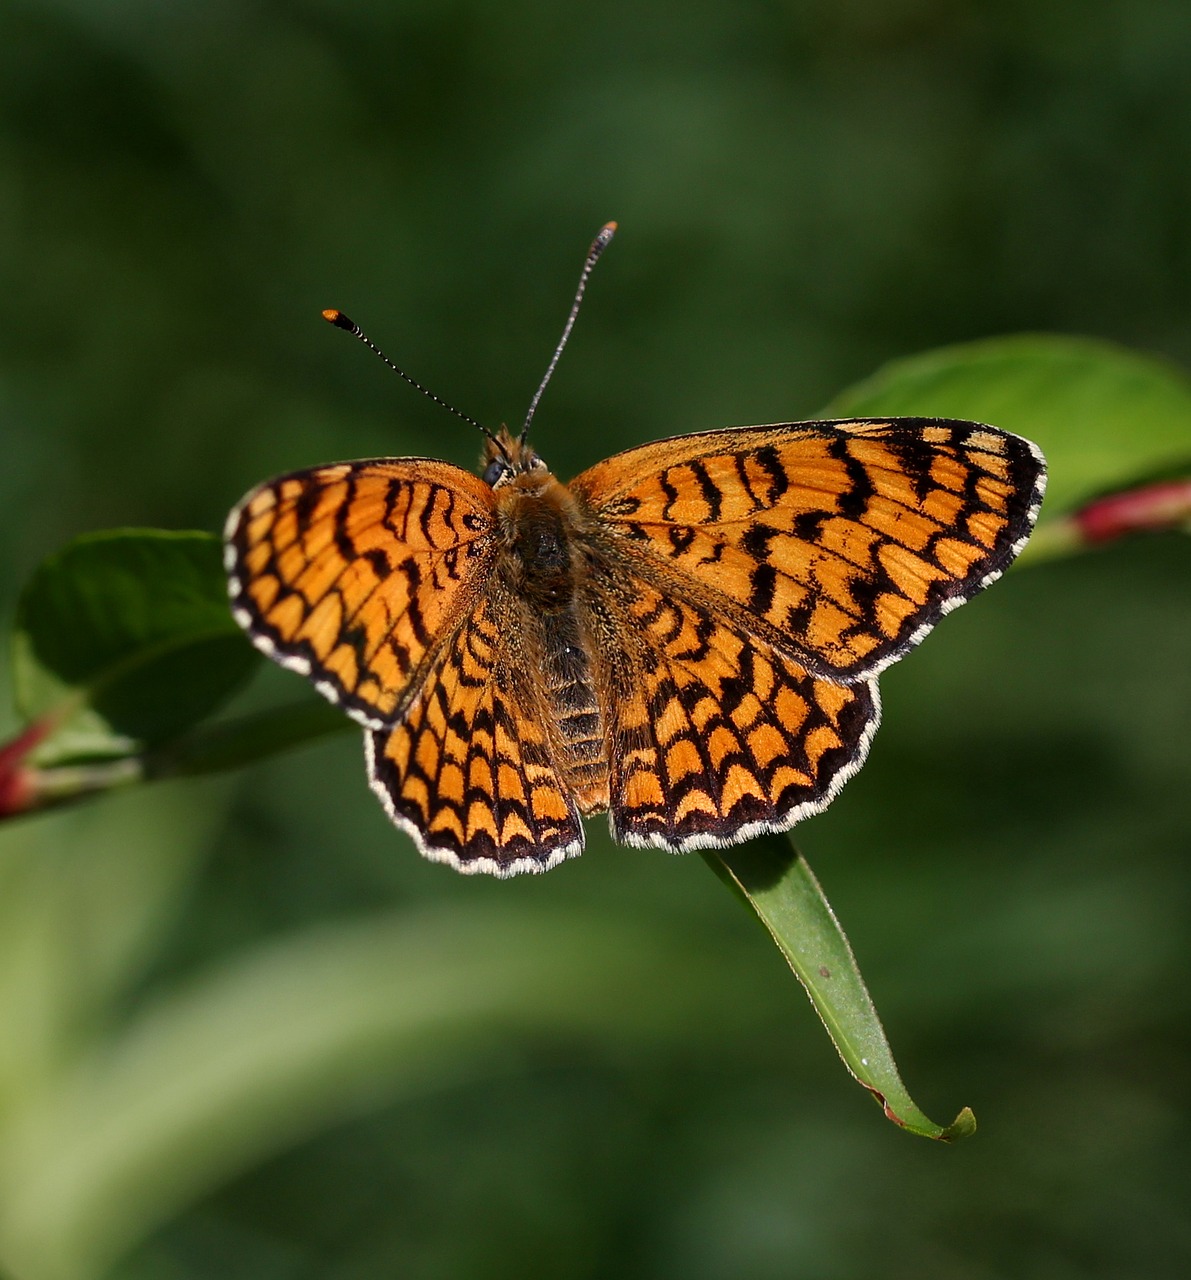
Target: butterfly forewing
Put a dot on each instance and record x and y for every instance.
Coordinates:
(839, 543)
(355, 573)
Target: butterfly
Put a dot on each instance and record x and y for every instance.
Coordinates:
(687, 635)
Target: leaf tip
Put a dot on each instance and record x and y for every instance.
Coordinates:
(963, 1126)
(913, 1120)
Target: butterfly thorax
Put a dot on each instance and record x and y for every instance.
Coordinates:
(536, 523)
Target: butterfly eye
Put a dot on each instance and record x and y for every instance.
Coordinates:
(494, 470)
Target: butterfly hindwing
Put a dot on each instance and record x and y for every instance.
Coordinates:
(715, 737)
(470, 770)
(840, 543)
(352, 573)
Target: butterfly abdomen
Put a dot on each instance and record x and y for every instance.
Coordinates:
(575, 709)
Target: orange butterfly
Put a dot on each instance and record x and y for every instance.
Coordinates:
(687, 635)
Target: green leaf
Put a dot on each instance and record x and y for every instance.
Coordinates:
(776, 883)
(131, 632)
(1102, 414)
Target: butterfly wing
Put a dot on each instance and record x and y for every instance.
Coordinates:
(714, 735)
(838, 543)
(469, 772)
(355, 574)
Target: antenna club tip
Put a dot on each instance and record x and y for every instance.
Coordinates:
(600, 243)
(338, 319)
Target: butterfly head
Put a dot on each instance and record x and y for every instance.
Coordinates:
(506, 457)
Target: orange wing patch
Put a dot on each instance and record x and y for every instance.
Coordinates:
(469, 771)
(720, 737)
(838, 543)
(353, 573)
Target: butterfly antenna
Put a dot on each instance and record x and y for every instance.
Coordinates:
(598, 245)
(340, 321)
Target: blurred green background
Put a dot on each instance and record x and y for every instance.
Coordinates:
(628, 1083)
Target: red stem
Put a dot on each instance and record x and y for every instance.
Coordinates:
(17, 788)
(1163, 505)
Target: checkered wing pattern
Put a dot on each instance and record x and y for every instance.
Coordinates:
(716, 736)
(839, 543)
(355, 574)
(470, 771)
